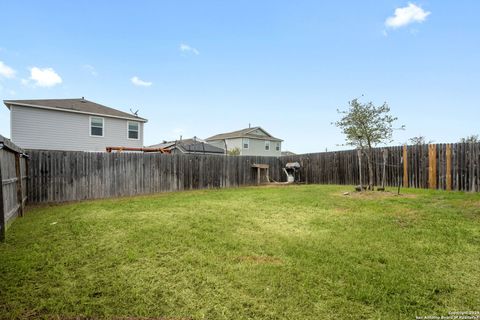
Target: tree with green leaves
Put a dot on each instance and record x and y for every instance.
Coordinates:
(365, 126)
(470, 139)
(234, 152)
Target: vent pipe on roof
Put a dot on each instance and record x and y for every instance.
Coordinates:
(249, 125)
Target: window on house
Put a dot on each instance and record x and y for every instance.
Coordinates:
(133, 130)
(277, 147)
(246, 143)
(267, 145)
(96, 126)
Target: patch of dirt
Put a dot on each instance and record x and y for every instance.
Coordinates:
(403, 223)
(470, 209)
(469, 204)
(375, 195)
(259, 259)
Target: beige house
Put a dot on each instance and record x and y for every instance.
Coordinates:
(253, 141)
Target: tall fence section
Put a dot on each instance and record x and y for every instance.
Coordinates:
(57, 176)
(434, 166)
(13, 175)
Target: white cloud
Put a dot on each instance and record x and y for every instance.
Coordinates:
(6, 71)
(91, 69)
(138, 82)
(43, 77)
(187, 49)
(406, 15)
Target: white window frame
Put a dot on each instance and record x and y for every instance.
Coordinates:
(247, 140)
(90, 127)
(128, 130)
(278, 147)
(267, 145)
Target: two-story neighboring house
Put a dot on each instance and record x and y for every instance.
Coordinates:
(253, 141)
(72, 124)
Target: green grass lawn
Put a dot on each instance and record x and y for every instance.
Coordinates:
(293, 252)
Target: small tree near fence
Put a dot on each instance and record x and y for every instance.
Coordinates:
(419, 140)
(234, 152)
(470, 139)
(365, 126)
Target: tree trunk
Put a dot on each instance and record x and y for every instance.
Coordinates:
(359, 154)
(370, 169)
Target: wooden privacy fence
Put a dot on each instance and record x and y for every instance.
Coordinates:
(13, 175)
(436, 166)
(58, 176)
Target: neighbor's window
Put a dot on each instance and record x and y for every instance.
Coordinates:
(133, 130)
(246, 143)
(267, 145)
(96, 126)
(277, 147)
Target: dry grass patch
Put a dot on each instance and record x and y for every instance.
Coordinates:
(374, 195)
(259, 260)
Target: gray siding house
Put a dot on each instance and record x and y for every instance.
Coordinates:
(253, 141)
(72, 124)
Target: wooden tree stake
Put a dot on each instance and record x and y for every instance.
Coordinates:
(359, 154)
(405, 167)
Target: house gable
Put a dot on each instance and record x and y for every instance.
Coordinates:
(255, 133)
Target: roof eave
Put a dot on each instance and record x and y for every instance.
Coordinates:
(240, 137)
(9, 103)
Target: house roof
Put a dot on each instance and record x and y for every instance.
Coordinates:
(244, 133)
(79, 105)
(190, 146)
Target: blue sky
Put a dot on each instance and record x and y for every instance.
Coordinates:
(206, 67)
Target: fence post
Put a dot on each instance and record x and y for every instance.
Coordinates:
(2, 208)
(432, 166)
(18, 173)
(405, 166)
(448, 175)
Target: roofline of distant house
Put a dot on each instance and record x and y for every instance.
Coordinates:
(8, 103)
(243, 136)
